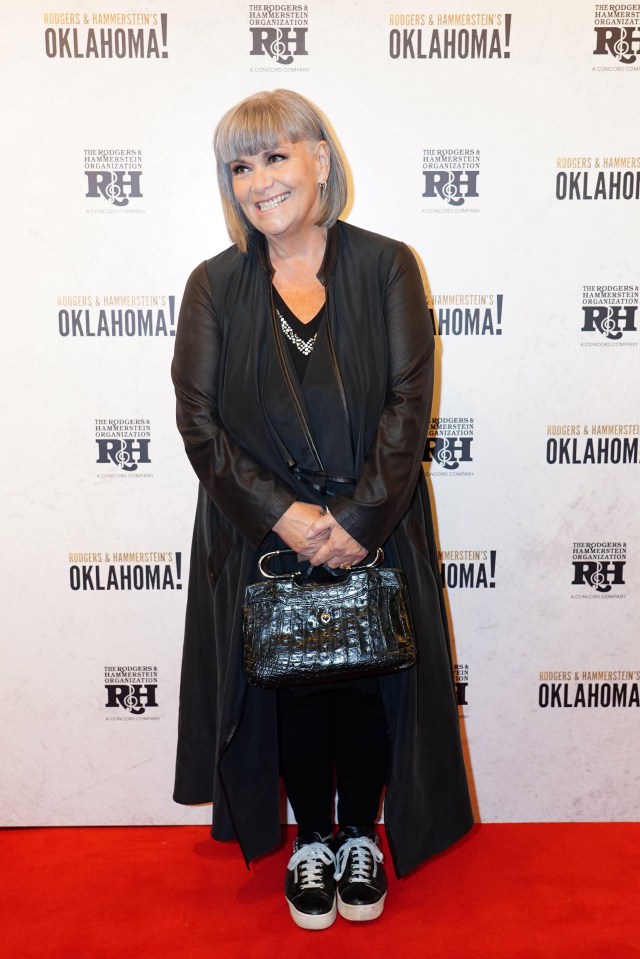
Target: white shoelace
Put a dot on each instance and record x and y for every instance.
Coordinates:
(366, 856)
(309, 860)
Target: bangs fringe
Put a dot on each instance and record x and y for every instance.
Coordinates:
(259, 126)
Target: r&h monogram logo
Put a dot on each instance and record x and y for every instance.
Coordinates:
(281, 45)
(135, 699)
(449, 441)
(125, 454)
(599, 565)
(131, 688)
(453, 186)
(451, 175)
(115, 186)
(279, 31)
(123, 443)
(609, 310)
(113, 175)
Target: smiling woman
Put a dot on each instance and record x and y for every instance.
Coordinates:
(303, 371)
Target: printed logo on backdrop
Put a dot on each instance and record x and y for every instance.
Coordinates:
(279, 33)
(598, 178)
(461, 683)
(125, 571)
(124, 316)
(468, 568)
(599, 570)
(617, 36)
(448, 447)
(450, 180)
(449, 36)
(599, 444)
(131, 691)
(467, 314)
(106, 36)
(609, 315)
(123, 448)
(588, 688)
(113, 180)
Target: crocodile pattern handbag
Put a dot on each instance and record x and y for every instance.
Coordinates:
(298, 632)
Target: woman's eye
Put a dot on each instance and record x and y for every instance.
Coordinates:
(237, 169)
(276, 157)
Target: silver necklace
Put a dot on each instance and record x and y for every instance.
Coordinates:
(305, 346)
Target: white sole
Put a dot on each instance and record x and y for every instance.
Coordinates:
(360, 913)
(305, 921)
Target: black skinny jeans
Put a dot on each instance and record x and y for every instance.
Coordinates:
(338, 729)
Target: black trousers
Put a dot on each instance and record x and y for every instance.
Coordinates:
(333, 731)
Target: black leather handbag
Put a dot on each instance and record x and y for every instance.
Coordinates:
(299, 632)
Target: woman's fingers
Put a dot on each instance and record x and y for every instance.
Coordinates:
(310, 532)
(324, 525)
(295, 524)
(328, 557)
(339, 549)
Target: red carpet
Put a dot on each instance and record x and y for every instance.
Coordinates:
(513, 891)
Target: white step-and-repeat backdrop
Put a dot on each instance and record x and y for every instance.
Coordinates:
(501, 143)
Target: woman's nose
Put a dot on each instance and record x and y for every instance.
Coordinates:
(262, 178)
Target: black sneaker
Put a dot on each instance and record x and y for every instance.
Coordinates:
(309, 884)
(362, 882)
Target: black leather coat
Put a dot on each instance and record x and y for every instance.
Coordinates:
(238, 423)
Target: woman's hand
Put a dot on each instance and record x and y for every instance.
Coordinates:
(337, 548)
(295, 528)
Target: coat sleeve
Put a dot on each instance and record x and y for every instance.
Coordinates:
(391, 467)
(246, 494)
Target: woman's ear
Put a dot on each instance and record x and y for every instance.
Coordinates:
(323, 157)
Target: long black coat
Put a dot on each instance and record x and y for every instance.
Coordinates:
(234, 412)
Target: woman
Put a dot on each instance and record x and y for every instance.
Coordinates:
(305, 312)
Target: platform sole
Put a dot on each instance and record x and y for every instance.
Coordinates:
(361, 913)
(312, 921)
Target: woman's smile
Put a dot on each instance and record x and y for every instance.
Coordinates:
(266, 205)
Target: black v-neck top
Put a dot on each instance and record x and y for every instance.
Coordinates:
(304, 332)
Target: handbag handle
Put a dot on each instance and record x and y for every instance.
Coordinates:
(267, 557)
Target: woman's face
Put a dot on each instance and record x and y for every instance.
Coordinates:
(278, 189)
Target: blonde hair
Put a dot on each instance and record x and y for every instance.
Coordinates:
(259, 123)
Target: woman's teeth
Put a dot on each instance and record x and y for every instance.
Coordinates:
(267, 205)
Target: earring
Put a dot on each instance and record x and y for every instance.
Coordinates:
(323, 187)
